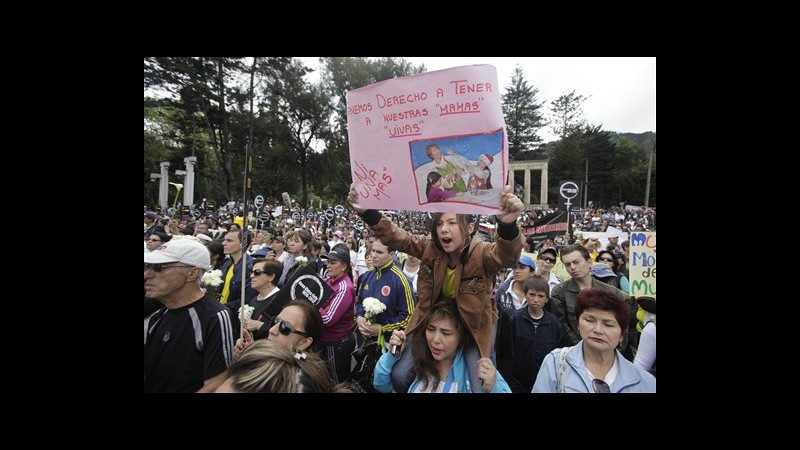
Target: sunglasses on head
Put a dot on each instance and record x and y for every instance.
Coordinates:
(600, 386)
(162, 266)
(548, 259)
(285, 328)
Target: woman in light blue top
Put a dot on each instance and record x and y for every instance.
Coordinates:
(440, 365)
(594, 365)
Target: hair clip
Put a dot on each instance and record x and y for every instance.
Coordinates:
(300, 355)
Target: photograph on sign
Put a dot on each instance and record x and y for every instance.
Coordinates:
(443, 128)
(458, 169)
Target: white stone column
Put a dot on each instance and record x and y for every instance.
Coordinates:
(543, 196)
(163, 186)
(527, 188)
(188, 182)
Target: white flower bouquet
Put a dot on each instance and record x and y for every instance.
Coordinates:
(211, 282)
(372, 308)
(246, 314)
(301, 260)
(212, 278)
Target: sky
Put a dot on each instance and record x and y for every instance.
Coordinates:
(621, 91)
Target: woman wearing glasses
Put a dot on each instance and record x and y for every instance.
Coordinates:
(594, 365)
(298, 327)
(607, 258)
(156, 239)
(264, 279)
(547, 259)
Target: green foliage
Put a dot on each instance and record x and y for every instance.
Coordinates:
(617, 168)
(523, 116)
(567, 114)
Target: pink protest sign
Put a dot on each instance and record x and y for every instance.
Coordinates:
(429, 142)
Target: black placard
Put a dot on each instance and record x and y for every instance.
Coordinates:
(305, 283)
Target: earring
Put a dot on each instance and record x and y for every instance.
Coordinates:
(300, 355)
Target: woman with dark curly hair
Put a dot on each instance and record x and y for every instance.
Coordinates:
(439, 362)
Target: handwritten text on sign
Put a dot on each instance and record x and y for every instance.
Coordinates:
(642, 264)
(394, 124)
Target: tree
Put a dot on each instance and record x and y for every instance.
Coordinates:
(200, 85)
(523, 115)
(567, 114)
(301, 113)
(599, 151)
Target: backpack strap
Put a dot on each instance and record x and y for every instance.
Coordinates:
(562, 369)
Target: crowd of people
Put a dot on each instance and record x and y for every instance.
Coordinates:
(441, 306)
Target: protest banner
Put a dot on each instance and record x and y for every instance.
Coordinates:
(642, 264)
(429, 142)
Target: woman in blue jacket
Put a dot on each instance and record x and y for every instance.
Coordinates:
(594, 365)
(439, 362)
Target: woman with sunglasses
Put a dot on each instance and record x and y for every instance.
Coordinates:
(264, 279)
(603, 272)
(594, 364)
(607, 258)
(156, 239)
(547, 259)
(298, 327)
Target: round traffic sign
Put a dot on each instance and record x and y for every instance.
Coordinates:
(568, 190)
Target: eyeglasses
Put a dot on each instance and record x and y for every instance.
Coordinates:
(607, 259)
(600, 387)
(550, 260)
(257, 272)
(162, 266)
(285, 328)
